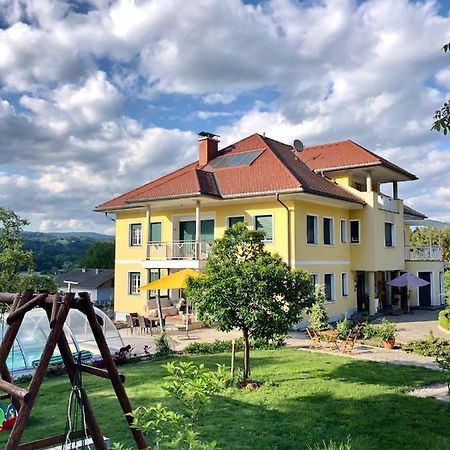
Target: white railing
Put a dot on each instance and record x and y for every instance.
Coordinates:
(423, 254)
(178, 250)
(387, 203)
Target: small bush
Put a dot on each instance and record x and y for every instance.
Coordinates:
(430, 346)
(344, 327)
(332, 445)
(369, 331)
(163, 345)
(387, 330)
(224, 346)
(444, 319)
(317, 313)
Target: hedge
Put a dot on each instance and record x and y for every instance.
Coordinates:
(444, 319)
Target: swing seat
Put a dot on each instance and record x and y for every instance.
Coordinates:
(7, 424)
(8, 417)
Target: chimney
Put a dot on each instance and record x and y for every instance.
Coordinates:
(208, 147)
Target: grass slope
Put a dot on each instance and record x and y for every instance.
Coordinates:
(307, 397)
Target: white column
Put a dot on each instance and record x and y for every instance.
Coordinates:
(148, 220)
(371, 280)
(369, 181)
(197, 228)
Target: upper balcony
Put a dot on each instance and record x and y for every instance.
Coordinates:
(387, 203)
(432, 253)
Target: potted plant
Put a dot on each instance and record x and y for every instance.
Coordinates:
(387, 331)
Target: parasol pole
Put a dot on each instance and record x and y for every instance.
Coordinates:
(160, 315)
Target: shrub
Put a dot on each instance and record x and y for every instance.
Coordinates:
(317, 312)
(163, 345)
(369, 331)
(430, 346)
(344, 327)
(222, 346)
(444, 319)
(387, 330)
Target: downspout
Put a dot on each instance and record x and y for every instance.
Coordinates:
(288, 229)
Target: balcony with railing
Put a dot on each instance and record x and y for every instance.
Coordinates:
(432, 253)
(178, 250)
(387, 203)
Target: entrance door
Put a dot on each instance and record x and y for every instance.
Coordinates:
(360, 292)
(425, 291)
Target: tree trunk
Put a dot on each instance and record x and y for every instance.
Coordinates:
(246, 355)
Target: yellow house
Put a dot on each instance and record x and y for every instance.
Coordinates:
(321, 208)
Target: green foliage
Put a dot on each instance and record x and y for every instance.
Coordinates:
(387, 330)
(194, 385)
(317, 314)
(100, 255)
(332, 445)
(163, 346)
(344, 327)
(369, 331)
(442, 116)
(219, 346)
(38, 283)
(13, 257)
(430, 346)
(447, 286)
(248, 288)
(438, 237)
(444, 319)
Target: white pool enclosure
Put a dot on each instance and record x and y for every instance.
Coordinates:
(35, 329)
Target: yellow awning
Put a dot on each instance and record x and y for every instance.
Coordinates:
(176, 280)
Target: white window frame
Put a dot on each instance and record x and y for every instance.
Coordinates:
(344, 284)
(316, 229)
(131, 291)
(393, 233)
(343, 227)
(130, 235)
(333, 286)
(332, 241)
(359, 231)
(227, 219)
(315, 277)
(267, 241)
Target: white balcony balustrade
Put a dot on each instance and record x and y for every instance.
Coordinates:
(423, 254)
(387, 203)
(178, 250)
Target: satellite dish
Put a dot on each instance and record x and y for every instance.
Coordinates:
(298, 145)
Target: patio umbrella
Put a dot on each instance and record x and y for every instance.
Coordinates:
(177, 280)
(408, 280)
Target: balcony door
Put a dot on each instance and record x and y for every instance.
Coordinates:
(187, 235)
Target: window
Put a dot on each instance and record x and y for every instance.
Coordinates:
(343, 231)
(234, 219)
(134, 283)
(264, 223)
(315, 279)
(155, 232)
(344, 284)
(311, 230)
(135, 235)
(389, 237)
(354, 231)
(329, 287)
(328, 231)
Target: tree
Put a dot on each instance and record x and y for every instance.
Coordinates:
(248, 288)
(13, 258)
(39, 283)
(317, 312)
(426, 236)
(99, 256)
(442, 116)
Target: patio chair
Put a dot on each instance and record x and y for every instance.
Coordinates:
(350, 340)
(130, 323)
(315, 338)
(145, 325)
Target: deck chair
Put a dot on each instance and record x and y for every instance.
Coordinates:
(314, 337)
(130, 324)
(350, 340)
(144, 325)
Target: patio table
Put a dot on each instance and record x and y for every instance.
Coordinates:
(330, 337)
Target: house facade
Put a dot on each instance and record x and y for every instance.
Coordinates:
(321, 208)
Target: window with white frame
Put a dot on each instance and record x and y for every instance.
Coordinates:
(265, 223)
(315, 279)
(343, 231)
(328, 231)
(134, 283)
(135, 234)
(344, 284)
(311, 230)
(389, 234)
(234, 219)
(330, 291)
(354, 232)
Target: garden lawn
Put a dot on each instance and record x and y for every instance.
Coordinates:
(307, 397)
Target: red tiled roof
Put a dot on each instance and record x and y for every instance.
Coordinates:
(346, 154)
(276, 169)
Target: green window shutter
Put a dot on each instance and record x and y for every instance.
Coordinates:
(155, 231)
(264, 223)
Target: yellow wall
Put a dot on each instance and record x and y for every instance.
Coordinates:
(426, 266)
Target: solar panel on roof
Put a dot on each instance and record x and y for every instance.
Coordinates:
(238, 159)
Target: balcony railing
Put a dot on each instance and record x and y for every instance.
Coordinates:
(423, 254)
(387, 203)
(180, 250)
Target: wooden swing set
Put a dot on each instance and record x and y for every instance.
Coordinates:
(57, 309)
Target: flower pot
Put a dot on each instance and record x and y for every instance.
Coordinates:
(389, 344)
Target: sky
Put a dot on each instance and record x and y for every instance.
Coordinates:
(100, 96)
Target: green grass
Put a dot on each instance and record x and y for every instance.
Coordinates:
(307, 397)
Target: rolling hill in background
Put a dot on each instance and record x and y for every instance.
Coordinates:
(55, 252)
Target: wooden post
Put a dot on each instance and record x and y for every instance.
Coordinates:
(53, 337)
(55, 308)
(233, 356)
(112, 370)
(29, 305)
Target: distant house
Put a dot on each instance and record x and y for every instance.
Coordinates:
(99, 283)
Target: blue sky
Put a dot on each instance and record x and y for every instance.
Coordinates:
(99, 96)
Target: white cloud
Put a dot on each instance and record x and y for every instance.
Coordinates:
(218, 97)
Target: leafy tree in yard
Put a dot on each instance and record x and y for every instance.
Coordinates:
(13, 258)
(442, 116)
(99, 256)
(45, 283)
(248, 288)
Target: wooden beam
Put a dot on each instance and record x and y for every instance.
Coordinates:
(29, 305)
(15, 391)
(55, 308)
(112, 370)
(102, 373)
(52, 440)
